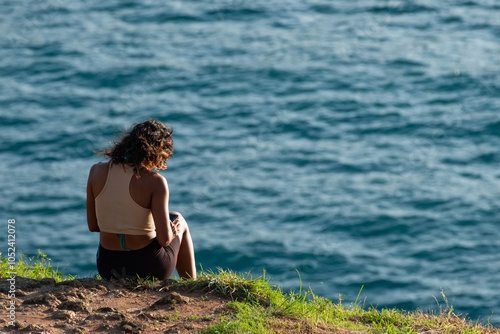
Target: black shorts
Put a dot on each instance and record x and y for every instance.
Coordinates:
(150, 261)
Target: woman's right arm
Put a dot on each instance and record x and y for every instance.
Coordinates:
(159, 209)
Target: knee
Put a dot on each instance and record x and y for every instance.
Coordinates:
(180, 216)
(181, 220)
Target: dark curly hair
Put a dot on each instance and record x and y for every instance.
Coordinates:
(149, 144)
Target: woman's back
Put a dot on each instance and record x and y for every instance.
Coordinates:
(116, 210)
(140, 189)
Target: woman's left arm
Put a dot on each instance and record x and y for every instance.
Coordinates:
(91, 215)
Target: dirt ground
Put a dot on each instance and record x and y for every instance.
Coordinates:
(95, 306)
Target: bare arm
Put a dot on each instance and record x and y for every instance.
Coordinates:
(159, 209)
(91, 215)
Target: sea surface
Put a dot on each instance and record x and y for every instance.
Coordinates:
(335, 144)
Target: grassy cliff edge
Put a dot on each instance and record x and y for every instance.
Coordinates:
(219, 302)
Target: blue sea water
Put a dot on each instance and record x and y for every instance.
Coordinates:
(354, 142)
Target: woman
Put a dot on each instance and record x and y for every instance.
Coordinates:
(127, 203)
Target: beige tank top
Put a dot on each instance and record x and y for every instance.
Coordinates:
(116, 211)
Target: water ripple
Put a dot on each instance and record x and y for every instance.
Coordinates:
(355, 142)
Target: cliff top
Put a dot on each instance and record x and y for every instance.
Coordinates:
(41, 300)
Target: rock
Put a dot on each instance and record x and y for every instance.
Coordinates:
(116, 293)
(31, 328)
(64, 315)
(179, 328)
(67, 294)
(166, 283)
(89, 283)
(48, 281)
(100, 287)
(116, 316)
(169, 281)
(95, 316)
(172, 298)
(146, 316)
(86, 282)
(127, 329)
(23, 283)
(26, 284)
(30, 284)
(106, 309)
(111, 315)
(77, 330)
(173, 330)
(63, 325)
(71, 283)
(65, 288)
(74, 306)
(132, 326)
(20, 293)
(43, 299)
(105, 327)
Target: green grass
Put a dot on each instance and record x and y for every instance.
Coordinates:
(35, 267)
(257, 306)
(141, 283)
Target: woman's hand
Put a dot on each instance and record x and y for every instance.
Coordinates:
(176, 226)
(179, 224)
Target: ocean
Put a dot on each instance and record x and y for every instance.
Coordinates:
(339, 145)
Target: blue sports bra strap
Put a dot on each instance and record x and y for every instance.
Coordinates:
(122, 242)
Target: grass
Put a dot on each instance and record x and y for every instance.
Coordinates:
(35, 267)
(141, 283)
(257, 306)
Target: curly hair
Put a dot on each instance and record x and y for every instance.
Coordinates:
(149, 144)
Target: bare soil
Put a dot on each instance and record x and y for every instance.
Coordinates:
(97, 306)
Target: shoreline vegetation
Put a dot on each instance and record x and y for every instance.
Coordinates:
(46, 301)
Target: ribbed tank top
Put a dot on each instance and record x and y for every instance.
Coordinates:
(116, 211)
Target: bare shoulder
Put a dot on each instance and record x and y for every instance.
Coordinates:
(97, 177)
(99, 170)
(154, 180)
